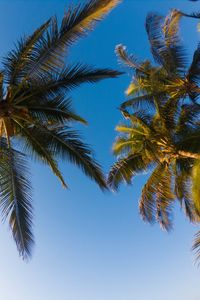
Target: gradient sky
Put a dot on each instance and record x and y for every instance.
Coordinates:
(90, 245)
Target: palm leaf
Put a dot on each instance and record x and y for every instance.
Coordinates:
(196, 246)
(15, 199)
(60, 142)
(182, 187)
(130, 60)
(140, 102)
(125, 169)
(76, 23)
(157, 197)
(36, 146)
(16, 60)
(169, 55)
(63, 81)
(193, 74)
(196, 186)
(51, 110)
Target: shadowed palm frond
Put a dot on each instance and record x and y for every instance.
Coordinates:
(141, 102)
(193, 74)
(36, 146)
(16, 61)
(196, 246)
(16, 199)
(125, 169)
(52, 110)
(165, 48)
(64, 81)
(182, 187)
(66, 144)
(157, 197)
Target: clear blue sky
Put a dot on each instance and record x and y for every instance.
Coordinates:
(90, 245)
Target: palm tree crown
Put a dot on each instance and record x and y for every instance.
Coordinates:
(36, 113)
(161, 134)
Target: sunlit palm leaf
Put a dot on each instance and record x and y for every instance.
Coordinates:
(196, 186)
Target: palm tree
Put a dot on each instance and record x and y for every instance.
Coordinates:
(149, 143)
(36, 116)
(162, 133)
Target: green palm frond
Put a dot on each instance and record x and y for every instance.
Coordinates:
(169, 113)
(53, 109)
(141, 118)
(61, 142)
(67, 144)
(188, 140)
(182, 187)
(125, 169)
(157, 197)
(36, 145)
(63, 81)
(16, 199)
(132, 140)
(16, 61)
(194, 70)
(50, 53)
(196, 186)
(169, 55)
(141, 102)
(130, 60)
(196, 246)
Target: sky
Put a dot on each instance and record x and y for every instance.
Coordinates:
(92, 245)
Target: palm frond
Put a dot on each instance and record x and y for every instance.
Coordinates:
(67, 144)
(193, 74)
(196, 246)
(15, 202)
(188, 117)
(182, 187)
(157, 197)
(1, 85)
(61, 142)
(125, 169)
(51, 110)
(171, 27)
(77, 22)
(132, 139)
(16, 61)
(36, 145)
(196, 186)
(195, 15)
(140, 102)
(169, 55)
(130, 60)
(63, 81)
(141, 118)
